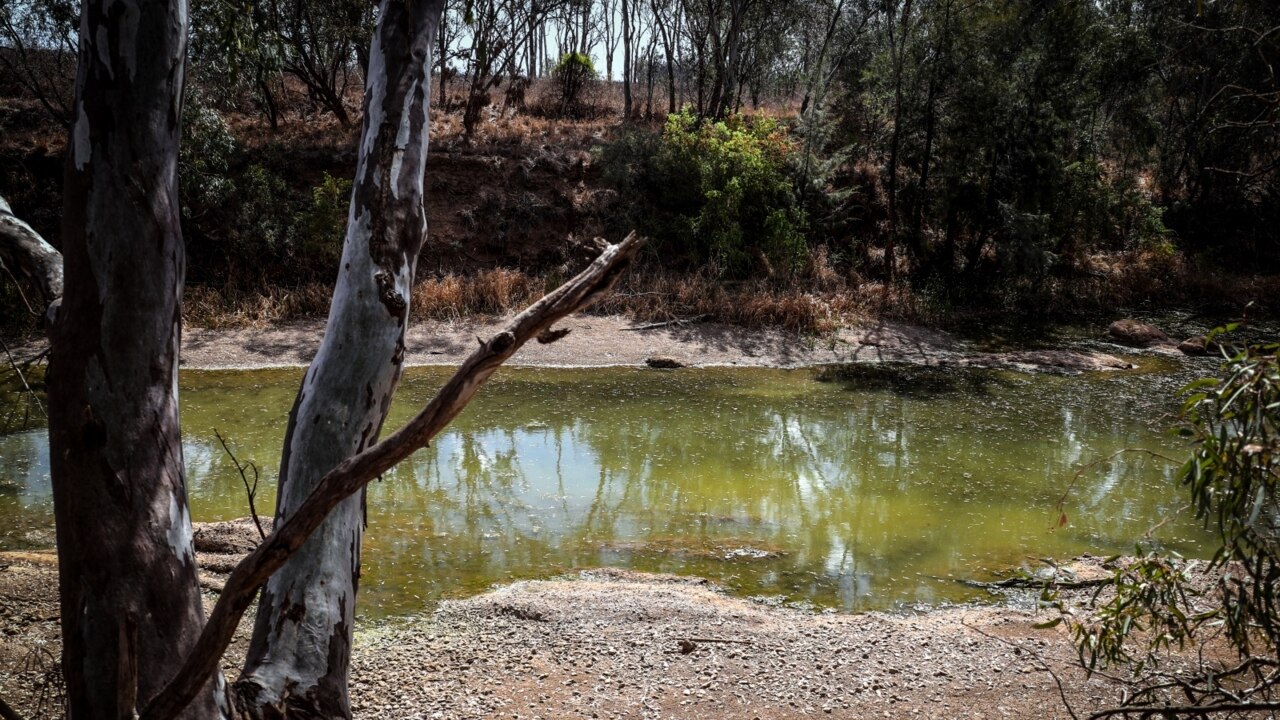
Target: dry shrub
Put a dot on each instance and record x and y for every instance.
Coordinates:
(230, 308)
(798, 307)
(491, 292)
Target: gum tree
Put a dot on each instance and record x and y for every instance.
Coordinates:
(298, 658)
(135, 640)
(127, 575)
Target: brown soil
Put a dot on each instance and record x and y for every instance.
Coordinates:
(610, 643)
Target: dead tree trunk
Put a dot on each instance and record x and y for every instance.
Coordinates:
(626, 61)
(127, 575)
(297, 663)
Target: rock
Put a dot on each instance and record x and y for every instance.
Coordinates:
(663, 362)
(1131, 332)
(1198, 345)
(1067, 360)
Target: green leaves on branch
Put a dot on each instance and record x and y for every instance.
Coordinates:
(1232, 477)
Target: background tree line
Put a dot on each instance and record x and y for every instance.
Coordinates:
(982, 152)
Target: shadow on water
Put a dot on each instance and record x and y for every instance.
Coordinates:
(912, 380)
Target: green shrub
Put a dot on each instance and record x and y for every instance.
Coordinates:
(573, 76)
(714, 193)
(262, 214)
(204, 160)
(319, 229)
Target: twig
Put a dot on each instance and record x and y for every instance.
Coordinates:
(1062, 690)
(14, 364)
(1170, 710)
(356, 472)
(678, 321)
(1034, 583)
(18, 286)
(1062, 501)
(9, 713)
(719, 640)
(250, 491)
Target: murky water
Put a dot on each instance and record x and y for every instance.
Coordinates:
(863, 490)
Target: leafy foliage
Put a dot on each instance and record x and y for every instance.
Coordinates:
(716, 193)
(573, 75)
(1234, 480)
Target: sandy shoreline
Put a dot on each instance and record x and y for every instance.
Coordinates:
(609, 341)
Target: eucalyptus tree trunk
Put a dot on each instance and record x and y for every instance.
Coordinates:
(298, 660)
(130, 601)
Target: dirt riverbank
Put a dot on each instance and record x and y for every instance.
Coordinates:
(600, 341)
(616, 644)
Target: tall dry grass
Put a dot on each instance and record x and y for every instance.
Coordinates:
(817, 300)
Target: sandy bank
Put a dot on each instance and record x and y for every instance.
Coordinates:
(596, 341)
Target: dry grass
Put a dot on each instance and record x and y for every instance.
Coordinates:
(759, 304)
(818, 300)
(492, 292)
(212, 308)
(802, 308)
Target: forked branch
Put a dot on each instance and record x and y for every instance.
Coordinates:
(358, 471)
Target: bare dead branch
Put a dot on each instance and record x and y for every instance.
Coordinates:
(1062, 690)
(23, 378)
(1195, 710)
(356, 472)
(1062, 501)
(8, 713)
(26, 254)
(250, 490)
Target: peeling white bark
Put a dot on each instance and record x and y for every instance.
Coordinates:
(298, 658)
(179, 531)
(31, 258)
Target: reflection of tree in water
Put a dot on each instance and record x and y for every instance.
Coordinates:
(863, 491)
(866, 489)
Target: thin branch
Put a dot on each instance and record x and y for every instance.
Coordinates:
(248, 490)
(14, 364)
(1062, 501)
(356, 472)
(1062, 690)
(1171, 710)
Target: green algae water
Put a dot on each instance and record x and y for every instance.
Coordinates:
(853, 489)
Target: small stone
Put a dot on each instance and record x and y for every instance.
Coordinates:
(1197, 346)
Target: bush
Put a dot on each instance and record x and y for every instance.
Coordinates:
(205, 159)
(716, 194)
(573, 76)
(320, 228)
